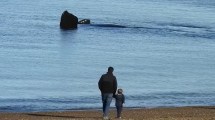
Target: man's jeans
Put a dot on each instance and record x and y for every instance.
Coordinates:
(106, 100)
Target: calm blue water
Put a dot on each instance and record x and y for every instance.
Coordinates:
(165, 55)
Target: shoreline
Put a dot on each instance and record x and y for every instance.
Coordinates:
(92, 109)
(96, 109)
(161, 113)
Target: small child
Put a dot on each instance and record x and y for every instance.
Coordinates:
(120, 99)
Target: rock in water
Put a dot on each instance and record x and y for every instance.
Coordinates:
(84, 21)
(68, 21)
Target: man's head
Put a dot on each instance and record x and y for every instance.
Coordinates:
(110, 69)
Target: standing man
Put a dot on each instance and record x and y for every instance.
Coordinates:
(108, 86)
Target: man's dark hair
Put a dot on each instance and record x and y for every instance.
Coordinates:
(110, 69)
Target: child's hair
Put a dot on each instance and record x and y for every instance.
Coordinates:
(119, 91)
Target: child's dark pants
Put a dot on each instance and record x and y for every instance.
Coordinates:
(119, 111)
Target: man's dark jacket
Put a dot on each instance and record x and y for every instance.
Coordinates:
(108, 83)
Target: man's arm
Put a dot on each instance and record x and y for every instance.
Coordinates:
(100, 83)
(115, 85)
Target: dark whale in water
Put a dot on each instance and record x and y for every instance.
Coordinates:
(108, 25)
(87, 21)
(70, 21)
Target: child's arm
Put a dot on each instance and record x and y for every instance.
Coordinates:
(123, 99)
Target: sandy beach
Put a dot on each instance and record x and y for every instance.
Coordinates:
(179, 113)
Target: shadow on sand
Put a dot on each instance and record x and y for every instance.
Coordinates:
(61, 116)
(206, 107)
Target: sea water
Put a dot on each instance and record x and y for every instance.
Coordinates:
(163, 56)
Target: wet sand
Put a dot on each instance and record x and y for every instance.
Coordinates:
(178, 113)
